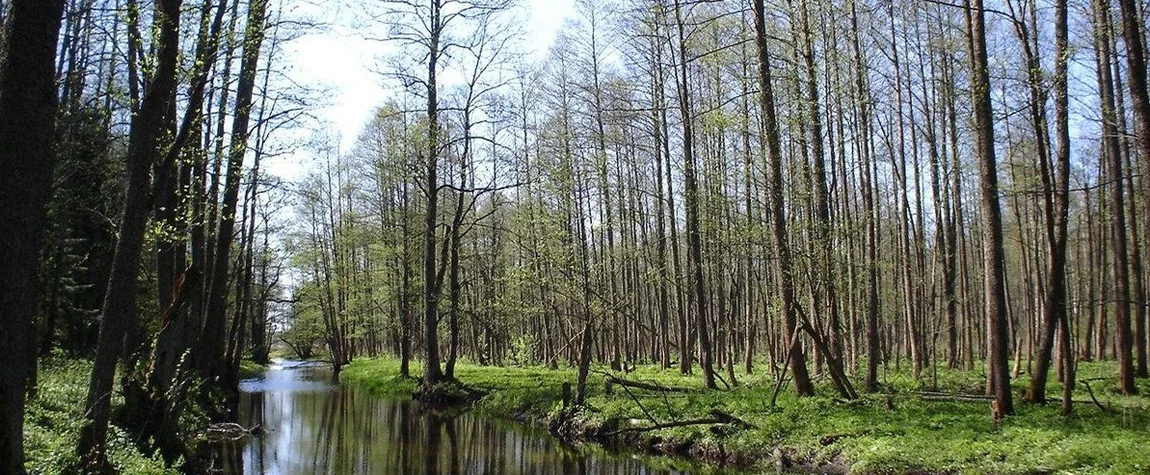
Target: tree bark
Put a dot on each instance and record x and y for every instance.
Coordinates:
(27, 134)
(1132, 32)
(1120, 292)
(209, 357)
(785, 279)
(994, 279)
(119, 308)
(1056, 200)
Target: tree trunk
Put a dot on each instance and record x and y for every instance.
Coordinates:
(785, 279)
(1132, 31)
(694, 238)
(994, 279)
(27, 134)
(209, 357)
(431, 370)
(1056, 200)
(119, 308)
(1120, 293)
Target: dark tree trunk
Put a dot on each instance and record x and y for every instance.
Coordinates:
(431, 370)
(27, 130)
(785, 279)
(1120, 291)
(870, 214)
(694, 239)
(1132, 31)
(209, 354)
(119, 308)
(1056, 205)
(992, 241)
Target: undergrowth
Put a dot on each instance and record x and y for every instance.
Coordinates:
(893, 431)
(55, 415)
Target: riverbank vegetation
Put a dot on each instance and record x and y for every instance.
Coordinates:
(54, 418)
(809, 197)
(904, 428)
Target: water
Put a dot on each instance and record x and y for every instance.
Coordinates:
(312, 426)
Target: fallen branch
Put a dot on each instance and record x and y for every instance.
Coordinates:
(1090, 391)
(717, 417)
(229, 431)
(641, 385)
(941, 396)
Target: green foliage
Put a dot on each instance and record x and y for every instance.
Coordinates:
(956, 437)
(54, 418)
(523, 350)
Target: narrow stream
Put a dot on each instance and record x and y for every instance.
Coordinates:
(311, 426)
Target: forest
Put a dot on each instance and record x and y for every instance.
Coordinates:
(911, 203)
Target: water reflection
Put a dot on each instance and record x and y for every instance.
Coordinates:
(314, 427)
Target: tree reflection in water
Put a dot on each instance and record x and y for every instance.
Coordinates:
(312, 427)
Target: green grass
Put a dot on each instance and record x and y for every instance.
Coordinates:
(955, 437)
(251, 369)
(53, 419)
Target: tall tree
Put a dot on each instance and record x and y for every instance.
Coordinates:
(1056, 204)
(691, 186)
(994, 284)
(27, 130)
(145, 145)
(209, 353)
(1112, 158)
(776, 211)
(1133, 33)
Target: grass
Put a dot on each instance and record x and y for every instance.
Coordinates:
(894, 432)
(53, 419)
(251, 369)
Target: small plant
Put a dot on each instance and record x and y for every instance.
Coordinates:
(523, 351)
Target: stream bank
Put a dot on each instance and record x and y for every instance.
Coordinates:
(893, 432)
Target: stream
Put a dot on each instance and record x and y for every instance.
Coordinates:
(312, 426)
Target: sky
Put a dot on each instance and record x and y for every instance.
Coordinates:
(339, 58)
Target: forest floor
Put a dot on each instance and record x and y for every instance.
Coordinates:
(54, 417)
(895, 431)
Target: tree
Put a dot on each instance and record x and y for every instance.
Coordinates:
(209, 353)
(794, 351)
(119, 308)
(27, 128)
(994, 284)
(1132, 32)
(1056, 201)
(691, 186)
(1112, 157)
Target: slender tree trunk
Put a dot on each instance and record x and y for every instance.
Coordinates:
(432, 373)
(798, 364)
(1120, 292)
(992, 242)
(1056, 202)
(694, 238)
(1132, 32)
(119, 308)
(210, 350)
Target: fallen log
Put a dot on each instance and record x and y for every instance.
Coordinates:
(224, 431)
(647, 386)
(717, 417)
(939, 396)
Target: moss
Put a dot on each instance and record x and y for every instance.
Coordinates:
(892, 432)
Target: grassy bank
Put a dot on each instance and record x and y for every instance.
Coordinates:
(894, 432)
(53, 419)
(251, 369)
